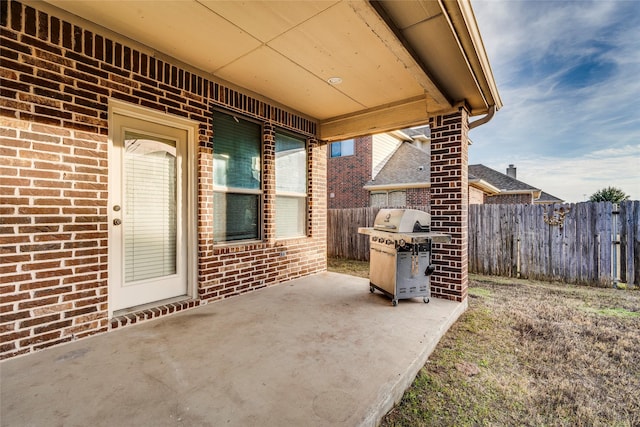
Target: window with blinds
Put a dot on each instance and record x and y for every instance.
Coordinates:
(237, 178)
(398, 198)
(291, 186)
(149, 211)
(378, 199)
(385, 199)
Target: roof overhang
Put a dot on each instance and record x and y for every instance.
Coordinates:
(399, 62)
(484, 186)
(404, 186)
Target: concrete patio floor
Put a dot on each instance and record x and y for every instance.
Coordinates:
(315, 351)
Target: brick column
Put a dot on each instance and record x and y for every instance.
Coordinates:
(450, 203)
(269, 182)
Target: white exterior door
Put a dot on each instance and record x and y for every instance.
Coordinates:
(148, 236)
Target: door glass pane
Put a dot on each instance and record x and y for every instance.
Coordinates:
(149, 211)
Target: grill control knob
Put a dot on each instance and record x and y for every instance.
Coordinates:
(389, 242)
(401, 243)
(374, 239)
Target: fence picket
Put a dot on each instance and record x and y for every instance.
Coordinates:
(629, 220)
(512, 240)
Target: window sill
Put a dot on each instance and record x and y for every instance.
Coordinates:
(300, 237)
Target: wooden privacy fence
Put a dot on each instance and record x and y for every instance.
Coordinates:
(592, 243)
(343, 240)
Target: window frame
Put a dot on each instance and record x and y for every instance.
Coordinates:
(226, 189)
(304, 196)
(353, 148)
(387, 194)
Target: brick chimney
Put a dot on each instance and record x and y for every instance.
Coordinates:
(511, 171)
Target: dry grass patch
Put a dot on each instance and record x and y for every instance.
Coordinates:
(546, 354)
(530, 353)
(348, 266)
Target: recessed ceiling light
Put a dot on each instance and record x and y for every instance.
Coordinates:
(334, 80)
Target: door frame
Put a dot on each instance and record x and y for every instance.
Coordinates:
(191, 193)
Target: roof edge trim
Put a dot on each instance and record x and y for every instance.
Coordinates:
(373, 187)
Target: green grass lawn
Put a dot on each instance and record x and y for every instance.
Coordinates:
(529, 353)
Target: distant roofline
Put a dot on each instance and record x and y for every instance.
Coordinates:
(397, 186)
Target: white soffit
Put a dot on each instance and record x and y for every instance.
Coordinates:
(181, 29)
(263, 68)
(267, 20)
(283, 50)
(399, 61)
(371, 74)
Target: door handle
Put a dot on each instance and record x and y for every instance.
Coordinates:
(117, 221)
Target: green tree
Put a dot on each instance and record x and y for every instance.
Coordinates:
(609, 194)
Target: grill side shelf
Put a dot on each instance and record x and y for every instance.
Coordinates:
(407, 237)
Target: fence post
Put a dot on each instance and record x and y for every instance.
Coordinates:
(615, 241)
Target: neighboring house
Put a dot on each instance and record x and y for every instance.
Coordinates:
(547, 199)
(404, 180)
(500, 188)
(156, 156)
(380, 170)
(399, 165)
(479, 189)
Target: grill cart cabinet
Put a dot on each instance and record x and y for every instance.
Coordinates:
(400, 253)
(401, 273)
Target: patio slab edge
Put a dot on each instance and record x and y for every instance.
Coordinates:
(390, 397)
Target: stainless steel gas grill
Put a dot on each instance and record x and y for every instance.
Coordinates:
(400, 254)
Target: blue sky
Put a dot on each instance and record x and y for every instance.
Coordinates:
(568, 73)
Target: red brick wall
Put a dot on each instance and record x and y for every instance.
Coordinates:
(349, 174)
(449, 203)
(418, 196)
(53, 240)
(501, 199)
(57, 79)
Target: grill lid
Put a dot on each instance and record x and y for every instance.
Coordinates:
(402, 221)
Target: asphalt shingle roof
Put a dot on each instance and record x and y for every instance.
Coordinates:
(499, 180)
(548, 198)
(408, 165)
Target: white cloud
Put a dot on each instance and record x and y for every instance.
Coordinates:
(567, 73)
(576, 179)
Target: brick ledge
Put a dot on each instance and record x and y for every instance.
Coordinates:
(152, 313)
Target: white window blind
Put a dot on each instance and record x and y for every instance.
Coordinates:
(385, 199)
(149, 216)
(378, 200)
(397, 198)
(290, 216)
(291, 186)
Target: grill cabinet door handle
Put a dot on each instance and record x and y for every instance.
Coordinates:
(430, 269)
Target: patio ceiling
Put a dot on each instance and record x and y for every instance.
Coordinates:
(399, 61)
